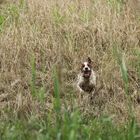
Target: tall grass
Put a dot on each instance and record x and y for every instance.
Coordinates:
(38, 102)
(124, 72)
(33, 69)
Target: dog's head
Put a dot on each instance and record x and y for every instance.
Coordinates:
(86, 68)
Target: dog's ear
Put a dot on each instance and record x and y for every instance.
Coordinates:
(89, 60)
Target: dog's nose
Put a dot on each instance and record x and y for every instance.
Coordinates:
(86, 68)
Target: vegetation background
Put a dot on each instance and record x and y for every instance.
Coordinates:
(42, 43)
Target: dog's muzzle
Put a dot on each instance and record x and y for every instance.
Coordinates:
(86, 73)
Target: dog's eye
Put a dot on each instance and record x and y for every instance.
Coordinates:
(89, 65)
(83, 65)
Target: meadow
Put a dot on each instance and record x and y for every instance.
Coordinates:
(42, 45)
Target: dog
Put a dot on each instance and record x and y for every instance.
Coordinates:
(87, 77)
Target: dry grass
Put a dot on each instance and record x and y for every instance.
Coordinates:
(61, 34)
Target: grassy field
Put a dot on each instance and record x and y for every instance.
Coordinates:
(42, 44)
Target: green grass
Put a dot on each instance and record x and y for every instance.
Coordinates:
(2, 19)
(69, 126)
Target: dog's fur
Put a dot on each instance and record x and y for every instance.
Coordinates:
(86, 77)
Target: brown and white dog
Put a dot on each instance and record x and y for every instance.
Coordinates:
(86, 77)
